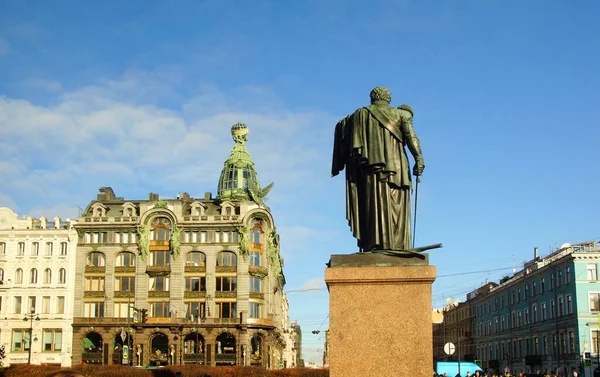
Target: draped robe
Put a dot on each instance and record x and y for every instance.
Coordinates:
(369, 144)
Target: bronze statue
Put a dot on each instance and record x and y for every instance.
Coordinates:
(370, 145)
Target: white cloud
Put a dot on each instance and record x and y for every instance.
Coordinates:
(313, 284)
(118, 133)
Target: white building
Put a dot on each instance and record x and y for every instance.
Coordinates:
(36, 288)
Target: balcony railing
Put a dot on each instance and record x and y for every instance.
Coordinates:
(95, 269)
(194, 269)
(124, 294)
(226, 269)
(95, 294)
(258, 271)
(193, 358)
(225, 358)
(158, 270)
(124, 269)
(155, 294)
(194, 294)
(257, 295)
(225, 294)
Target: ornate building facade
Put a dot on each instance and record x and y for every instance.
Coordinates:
(182, 280)
(36, 288)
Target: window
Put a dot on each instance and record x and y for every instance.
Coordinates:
(254, 310)
(195, 284)
(47, 276)
(18, 305)
(533, 288)
(217, 236)
(159, 309)
(33, 276)
(568, 275)
(63, 248)
(534, 315)
(195, 259)
(49, 247)
(94, 284)
(552, 308)
(52, 340)
(62, 276)
(46, 305)
(125, 260)
(559, 280)
(561, 306)
(226, 283)
(569, 304)
(254, 284)
(544, 311)
(594, 301)
(35, 249)
(20, 340)
(545, 342)
(95, 259)
(543, 284)
(160, 258)
(202, 237)
(60, 305)
(226, 309)
(93, 309)
(254, 258)
(572, 342)
(122, 310)
(159, 283)
(592, 271)
(32, 305)
(161, 227)
(125, 283)
(21, 249)
(226, 258)
(551, 281)
(526, 315)
(195, 309)
(2, 248)
(1, 275)
(536, 345)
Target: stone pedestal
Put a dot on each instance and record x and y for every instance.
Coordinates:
(380, 316)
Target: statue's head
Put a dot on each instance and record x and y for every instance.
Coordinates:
(381, 94)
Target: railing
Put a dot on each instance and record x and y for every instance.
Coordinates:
(226, 269)
(194, 269)
(226, 321)
(124, 294)
(258, 271)
(194, 294)
(257, 295)
(193, 358)
(158, 270)
(98, 321)
(92, 357)
(161, 320)
(95, 269)
(155, 294)
(225, 294)
(124, 269)
(225, 358)
(96, 294)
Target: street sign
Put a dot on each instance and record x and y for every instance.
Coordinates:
(123, 335)
(449, 348)
(125, 355)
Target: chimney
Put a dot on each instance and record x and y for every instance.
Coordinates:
(535, 253)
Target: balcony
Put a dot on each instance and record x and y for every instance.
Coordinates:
(194, 269)
(225, 294)
(125, 270)
(158, 294)
(94, 294)
(259, 321)
(193, 358)
(95, 269)
(226, 269)
(159, 245)
(255, 246)
(158, 270)
(257, 295)
(80, 321)
(159, 320)
(194, 294)
(226, 321)
(225, 358)
(124, 294)
(258, 271)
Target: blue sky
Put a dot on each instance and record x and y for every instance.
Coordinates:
(140, 96)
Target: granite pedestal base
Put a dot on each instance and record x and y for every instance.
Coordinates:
(379, 316)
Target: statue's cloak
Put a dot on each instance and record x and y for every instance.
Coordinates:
(369, 145)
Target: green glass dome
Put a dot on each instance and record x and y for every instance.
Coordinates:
(238, 169)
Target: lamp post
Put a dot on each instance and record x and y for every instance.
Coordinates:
(30, 317)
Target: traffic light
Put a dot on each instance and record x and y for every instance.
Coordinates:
(144, 313)
(135, 315)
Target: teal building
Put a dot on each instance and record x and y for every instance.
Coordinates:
(544, 317)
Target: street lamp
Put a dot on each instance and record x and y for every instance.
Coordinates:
(30, 317)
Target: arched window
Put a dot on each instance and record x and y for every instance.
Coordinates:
(19, 276)
(47, 276)
(196, 259)
(226, 258)
(125, 259)
(62, 276)
(49, 247)
(161, 229)
(95, 259)
(35, 248)
(256, 344)
(33, 276)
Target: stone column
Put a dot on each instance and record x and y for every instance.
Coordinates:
(380, 315)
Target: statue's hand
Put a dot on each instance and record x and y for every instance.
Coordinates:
(419, 167)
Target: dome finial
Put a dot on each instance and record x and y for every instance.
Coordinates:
(239, 132)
